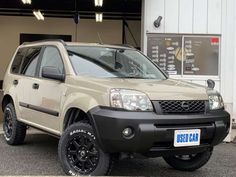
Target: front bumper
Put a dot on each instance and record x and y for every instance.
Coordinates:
(153, 133)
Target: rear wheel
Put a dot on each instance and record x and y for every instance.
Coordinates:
(189, 162)
(14, 131)
(80, 154)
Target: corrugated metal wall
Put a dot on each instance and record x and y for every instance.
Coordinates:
(185, 16)
(199, 17)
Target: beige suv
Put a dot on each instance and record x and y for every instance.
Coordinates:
(109, 102)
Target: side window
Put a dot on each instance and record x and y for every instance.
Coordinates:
(15, 68)
(51, 58)
(30, 62)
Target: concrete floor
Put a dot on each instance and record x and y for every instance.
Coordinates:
(38, 156)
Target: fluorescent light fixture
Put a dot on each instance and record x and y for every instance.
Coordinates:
(26, 1)
(99, 17)
(38, 14)
(98, 3)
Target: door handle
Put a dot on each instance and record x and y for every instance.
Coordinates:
(15, 82)
(35, 86)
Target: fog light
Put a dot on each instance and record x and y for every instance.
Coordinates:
(127, 132)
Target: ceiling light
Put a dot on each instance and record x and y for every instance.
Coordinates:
(99, 17)
(98, 3)
(38, 14)
(26, 1)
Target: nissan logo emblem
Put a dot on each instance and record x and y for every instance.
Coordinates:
(185, 105)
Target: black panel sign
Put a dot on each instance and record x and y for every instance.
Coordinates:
(185, 54)
(201, 55)
(166, 52)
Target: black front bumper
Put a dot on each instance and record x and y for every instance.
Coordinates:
(153, 133)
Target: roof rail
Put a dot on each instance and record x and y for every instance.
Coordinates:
(46, 40)
(124, 45)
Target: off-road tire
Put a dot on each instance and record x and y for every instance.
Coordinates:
(192, 164)
(16, 135)
(72, 139)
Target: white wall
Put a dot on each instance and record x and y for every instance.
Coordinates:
(199, 17)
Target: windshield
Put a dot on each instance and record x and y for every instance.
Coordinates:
(110, 62)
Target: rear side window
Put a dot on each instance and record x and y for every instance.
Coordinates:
(30, 61)
(15, 68)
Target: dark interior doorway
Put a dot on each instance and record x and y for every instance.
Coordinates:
(37, 37)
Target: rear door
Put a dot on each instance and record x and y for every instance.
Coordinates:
(14, 82)
(24, 80)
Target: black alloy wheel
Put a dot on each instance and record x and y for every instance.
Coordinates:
(83, 154)
(80, 154)
(8, 123)
(14, 131)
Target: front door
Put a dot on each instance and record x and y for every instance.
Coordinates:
(45, 97)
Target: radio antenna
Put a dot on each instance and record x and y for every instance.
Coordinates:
(99, 37)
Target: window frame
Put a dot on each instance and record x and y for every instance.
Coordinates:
(40, 53)
(36, 75)
(40, 62)
(23, 58)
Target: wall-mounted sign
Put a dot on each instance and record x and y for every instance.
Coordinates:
(185, 54)
(201, 55)
(165, 51)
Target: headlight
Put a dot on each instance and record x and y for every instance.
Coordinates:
(215, 102)
(130, 100)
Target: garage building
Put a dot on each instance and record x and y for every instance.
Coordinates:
(198, 34)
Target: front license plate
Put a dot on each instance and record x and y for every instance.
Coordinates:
(187, 138)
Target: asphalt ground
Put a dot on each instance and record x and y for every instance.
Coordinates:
(38, 156)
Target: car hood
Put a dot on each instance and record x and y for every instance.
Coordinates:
(169, 89)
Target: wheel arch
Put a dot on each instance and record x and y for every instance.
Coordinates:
(81, 102)
(73, 115)
(6, 99)
(85, 117)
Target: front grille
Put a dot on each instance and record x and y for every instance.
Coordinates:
(180, 106)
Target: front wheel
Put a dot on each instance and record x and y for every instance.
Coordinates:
(80, 154)
(189, 162)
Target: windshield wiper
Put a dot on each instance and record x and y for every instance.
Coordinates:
(133, 77)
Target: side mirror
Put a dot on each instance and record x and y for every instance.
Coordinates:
(52, 73)
(211, 84)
